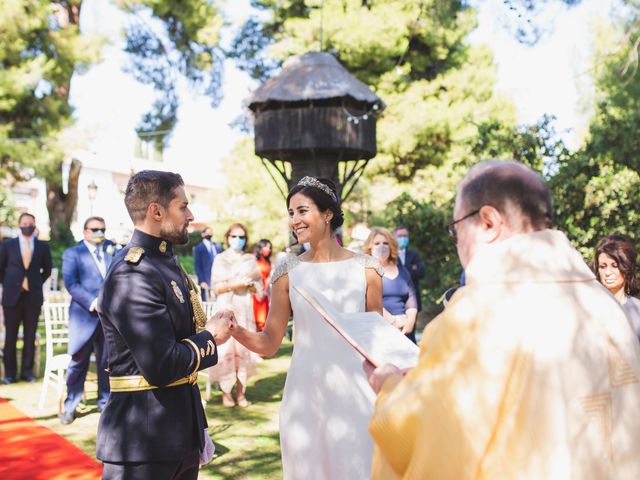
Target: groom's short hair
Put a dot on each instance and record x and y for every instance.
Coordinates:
(147, 187)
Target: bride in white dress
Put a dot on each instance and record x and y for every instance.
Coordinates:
(327, 401)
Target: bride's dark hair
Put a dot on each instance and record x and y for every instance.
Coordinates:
(322, 200)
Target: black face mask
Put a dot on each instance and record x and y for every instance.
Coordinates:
(27, 231)
(207, 237)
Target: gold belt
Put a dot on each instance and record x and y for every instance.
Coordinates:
(137, 383)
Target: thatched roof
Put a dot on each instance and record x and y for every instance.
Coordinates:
(312, 76)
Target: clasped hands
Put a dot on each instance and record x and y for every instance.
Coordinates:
(220, 325)
(243, 284)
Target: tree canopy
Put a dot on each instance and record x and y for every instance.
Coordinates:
(42, 48)
(413, 54)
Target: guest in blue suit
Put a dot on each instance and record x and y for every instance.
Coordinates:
(204, 253)
(84, 267)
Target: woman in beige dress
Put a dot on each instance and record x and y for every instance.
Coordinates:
(235, 277)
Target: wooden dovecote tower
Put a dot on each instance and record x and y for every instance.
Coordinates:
(314, 118)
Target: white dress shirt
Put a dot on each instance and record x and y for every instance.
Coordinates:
(402, 255)
(23, 240)
(210, 247)
(102, 266)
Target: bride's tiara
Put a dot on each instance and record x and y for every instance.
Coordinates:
(314, 182)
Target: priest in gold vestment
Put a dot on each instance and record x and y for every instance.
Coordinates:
(532, 371)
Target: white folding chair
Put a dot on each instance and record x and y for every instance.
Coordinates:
(209, 310)
(56, 322)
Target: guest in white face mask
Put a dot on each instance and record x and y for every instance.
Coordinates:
(235, 277)
(398, 292)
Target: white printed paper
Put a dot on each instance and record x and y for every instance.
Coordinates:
(368, 332)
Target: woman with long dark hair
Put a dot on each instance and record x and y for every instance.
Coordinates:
(616, 268)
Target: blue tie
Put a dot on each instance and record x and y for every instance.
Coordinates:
(98, 256)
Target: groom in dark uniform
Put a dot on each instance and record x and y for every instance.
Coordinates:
(154, 425)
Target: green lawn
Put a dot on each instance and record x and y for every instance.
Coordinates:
(247, 443)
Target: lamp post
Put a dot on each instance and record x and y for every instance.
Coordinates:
(93, 191)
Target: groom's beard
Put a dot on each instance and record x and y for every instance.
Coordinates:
(175, 234)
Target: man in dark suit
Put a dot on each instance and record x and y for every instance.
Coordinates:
(25, 263)
(204, 253)
(412, 262)
(154, 425)
(84, 267)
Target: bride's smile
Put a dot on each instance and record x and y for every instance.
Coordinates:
(306, 219)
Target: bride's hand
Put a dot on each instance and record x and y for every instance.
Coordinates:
(220, 325)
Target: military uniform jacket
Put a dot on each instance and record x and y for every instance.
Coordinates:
(145, 312)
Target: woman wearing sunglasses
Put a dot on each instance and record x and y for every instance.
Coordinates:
(235, 278)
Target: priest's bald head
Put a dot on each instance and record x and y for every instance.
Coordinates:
(496, 200)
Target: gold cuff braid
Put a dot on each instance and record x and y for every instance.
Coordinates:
(197, 353)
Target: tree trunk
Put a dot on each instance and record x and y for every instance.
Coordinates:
(60, 205)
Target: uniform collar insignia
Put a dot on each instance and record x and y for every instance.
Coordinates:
(153, 245)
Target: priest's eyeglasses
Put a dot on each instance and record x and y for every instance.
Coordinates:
(451, 227)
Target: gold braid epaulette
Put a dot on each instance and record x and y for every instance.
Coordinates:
(199, 317)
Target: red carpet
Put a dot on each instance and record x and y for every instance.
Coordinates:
(29, 451)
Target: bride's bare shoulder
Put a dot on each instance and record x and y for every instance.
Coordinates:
(284, 267)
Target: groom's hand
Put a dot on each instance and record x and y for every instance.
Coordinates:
(220, 325)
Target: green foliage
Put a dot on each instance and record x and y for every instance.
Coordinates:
(426, 223)
(597, 189)
(412, 53)
(613, 131)
(594, 198)
(41, 48)
(57, 248)
(181, 38)
(8, 213)
(537, 145)
(251, 198)
(195, 238)
(187, 263)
